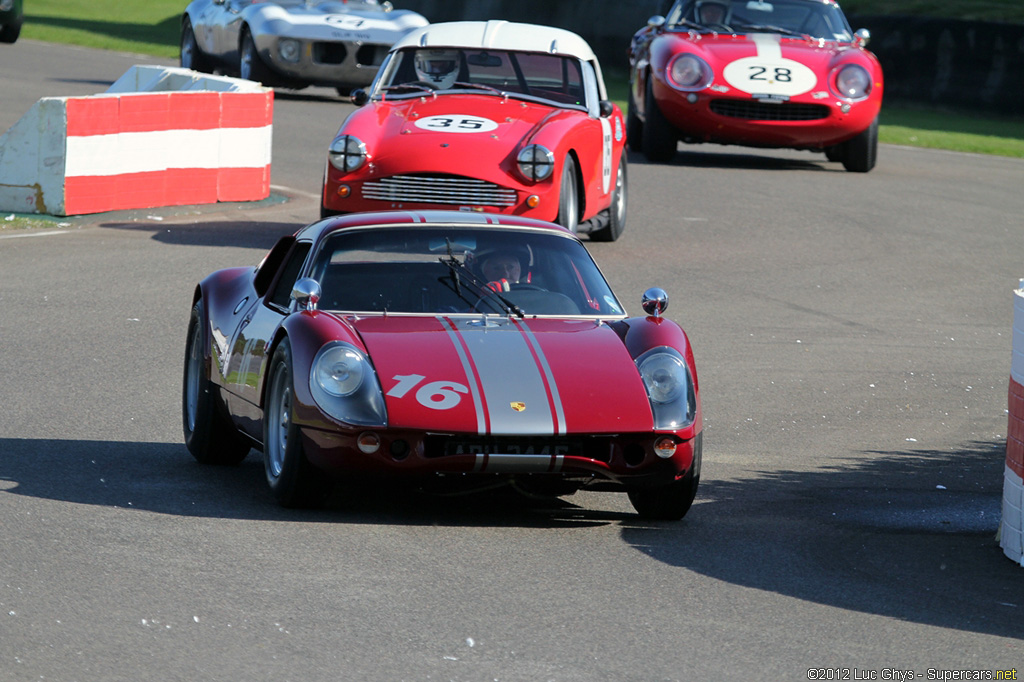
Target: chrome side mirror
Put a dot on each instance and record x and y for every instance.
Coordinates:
(360, 97)
(862, 37)
(306, 293)
(657, 21)
(654, 302)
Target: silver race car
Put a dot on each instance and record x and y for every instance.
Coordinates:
(293, 43)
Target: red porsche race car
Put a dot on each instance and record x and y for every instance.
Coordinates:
(441, 346)
(494, 117)
(759, 73)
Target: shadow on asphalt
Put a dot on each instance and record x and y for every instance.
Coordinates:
(908, 535)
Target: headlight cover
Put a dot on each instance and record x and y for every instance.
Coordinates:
(535, 162)
(345, 386)
(347, 153)
(669, 387)
(688, 72)
(289, 49)
(852, 82)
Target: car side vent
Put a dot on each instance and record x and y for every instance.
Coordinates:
(769, 111)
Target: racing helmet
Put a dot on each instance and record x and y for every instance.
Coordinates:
(440, 68)
(711, 12)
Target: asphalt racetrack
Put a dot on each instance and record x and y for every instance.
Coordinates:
(853, 343)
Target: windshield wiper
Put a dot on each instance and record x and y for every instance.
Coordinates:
(406, 86)
(478, 86)
(776, 29)
(459, 271)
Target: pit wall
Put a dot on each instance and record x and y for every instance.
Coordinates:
(157, 137)
(972, 65)
(1011, 529)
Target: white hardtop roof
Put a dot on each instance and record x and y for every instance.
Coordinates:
(499, 35)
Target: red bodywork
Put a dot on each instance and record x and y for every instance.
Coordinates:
(396, 145)
(571, 382)
(724, 113)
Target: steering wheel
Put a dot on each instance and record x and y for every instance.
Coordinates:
(720, 28)
(425, 84)
(524, 286)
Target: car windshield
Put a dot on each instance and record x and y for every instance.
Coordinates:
(526, 75)
(802, 18)
(456, 270)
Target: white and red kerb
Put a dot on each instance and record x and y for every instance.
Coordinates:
(166, 148)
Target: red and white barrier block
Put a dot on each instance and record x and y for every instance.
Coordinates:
(1011, 529)
(158, 137)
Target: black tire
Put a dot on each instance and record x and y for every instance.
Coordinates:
(209, 434)
(670, 502)
(834, 153)
(10, 33)
(860, 153)
(250, 66)
(659, 139)
(617, 210)
(568, 197)
(190, 56)
(293, 481)
(666, 502)
(634, 126)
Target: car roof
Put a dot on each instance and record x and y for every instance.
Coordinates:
(425, 219)
(499, 35)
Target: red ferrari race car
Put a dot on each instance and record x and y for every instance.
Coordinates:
(441, 346)
(494, 117)
(760, 73)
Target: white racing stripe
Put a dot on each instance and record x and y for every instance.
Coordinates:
(769, 45)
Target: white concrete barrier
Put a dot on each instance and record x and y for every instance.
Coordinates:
(158, 137)
(1011, 528)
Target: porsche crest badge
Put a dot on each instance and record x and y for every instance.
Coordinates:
(518, 406)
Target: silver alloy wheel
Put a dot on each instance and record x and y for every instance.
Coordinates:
(279, 416)
(194, 377)
(568, 198)
(619, 208)
(245, 61)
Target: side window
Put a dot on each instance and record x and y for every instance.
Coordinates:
(280, 292)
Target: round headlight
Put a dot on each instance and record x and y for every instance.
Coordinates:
(340, 370)
(665, 377)
(688, 72)
(347, 153)
(535, 162)
(289, 49)
(853, 82)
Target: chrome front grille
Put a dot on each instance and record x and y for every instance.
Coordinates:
(438, 189)
(769, 111)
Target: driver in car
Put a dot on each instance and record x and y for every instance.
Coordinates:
(711, 12)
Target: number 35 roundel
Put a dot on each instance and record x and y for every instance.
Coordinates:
(456, 123)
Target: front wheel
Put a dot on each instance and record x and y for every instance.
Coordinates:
(191, 57)
(250, 66)
(209, 434)
(617, 210)
(9, 34)
(568, 199)
(659, 139)
(665, 502)
(860, 153)
(293, 481)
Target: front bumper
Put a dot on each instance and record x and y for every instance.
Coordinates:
(801, 123)
(620, 458)
(418, 192)
(324, 62)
